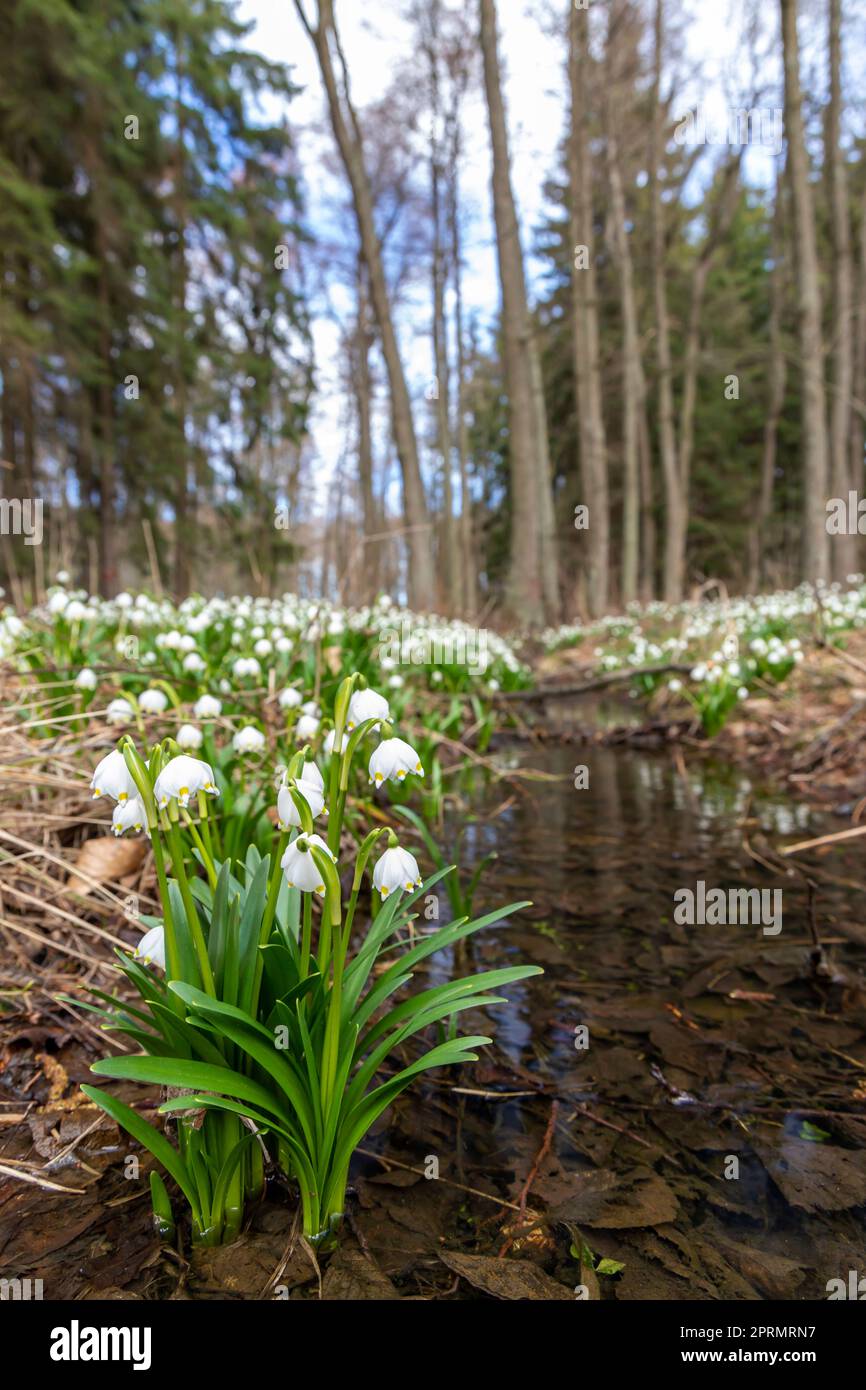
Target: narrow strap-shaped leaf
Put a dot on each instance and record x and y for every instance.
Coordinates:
(150, 1138)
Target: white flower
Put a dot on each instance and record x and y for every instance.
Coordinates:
(57, 602)
(246, 666)
(395, 682)
(263, 647)
(183, 777)
(674, 686)
(311, 774)
(119, 711)
(128, 815)
(300, 867)
(366, 704)
(287, 812)
(151, 948)
(742, 693)
(152, 701)
(248, 740)
(311, 709)
(62, 576)
(329, 742)
(207, 707)
(189, 737)
(290, 698)
(306, 727)
(112, 778)
(396, 869)
(193, 662)
(393, 760)
(86, 679)
(75, 611)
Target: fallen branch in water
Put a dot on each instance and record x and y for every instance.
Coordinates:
(611, 678)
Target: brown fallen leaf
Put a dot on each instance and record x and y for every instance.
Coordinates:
(509, 1279)
(104, 858)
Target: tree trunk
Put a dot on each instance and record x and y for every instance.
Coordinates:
(525, 585)
(362, 382)
(468, 562)
(843, 548)
(451, 576)
(857, 443)
(587, 370)
(815, 470)
(347, 133)
(675, 515)
(776, 376)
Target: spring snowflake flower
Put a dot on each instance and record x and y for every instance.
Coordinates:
(248, 740)
(329, 742)
(300, 867)
(246, 666)
(674, 686)
(151, 948)
(86, 679)
(128, 815)
(207, 707)
(152, 701)
(393, 760)
(311, 774)
(183, 777)
(366, 704)
(287, 812)
(75, 611)
(311, 709)
(290, 698)
(742, 693)
(119, 711)
(193, 663)
(306, 727)
(112, 778)
(189, 737)
(396, 869)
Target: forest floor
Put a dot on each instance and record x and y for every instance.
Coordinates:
(558, 1168)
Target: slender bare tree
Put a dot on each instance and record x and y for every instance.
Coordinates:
(322, 31)
(533, 548)
(584, 280)
(816, 552)
(843, 548)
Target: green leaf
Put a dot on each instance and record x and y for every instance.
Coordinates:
(150, 1138)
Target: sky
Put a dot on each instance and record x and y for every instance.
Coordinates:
(374, 36)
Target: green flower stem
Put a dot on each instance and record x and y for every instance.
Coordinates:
(171, 951)
(176, 852)
(204, 821)
(306, 934)
(200, 846)
(274, 886)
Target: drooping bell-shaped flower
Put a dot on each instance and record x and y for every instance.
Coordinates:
(128, 815)
(119, 711)
(113, 778)
(329, 742)
(290, 698)
(393, 760)
(151, 948)
(300, 867)
(287, 812)
(207, 707)
(152, 701)
(397, 869)
(86, 679)
(306, 727)
(366, 704)
(310, 773)
(189, 738)
(182, 778)
(248, 740)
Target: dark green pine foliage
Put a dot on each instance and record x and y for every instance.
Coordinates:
(148, 326)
